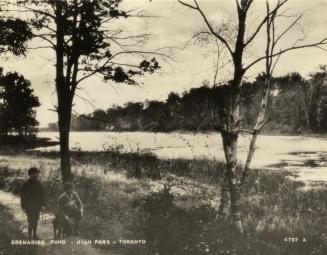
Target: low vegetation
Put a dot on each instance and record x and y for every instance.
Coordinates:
(172, 204)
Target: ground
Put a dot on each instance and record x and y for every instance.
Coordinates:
(10, 205)
(175, 214)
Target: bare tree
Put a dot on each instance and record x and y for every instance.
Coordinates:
(272, 40)
(229, 114)
(270, 65)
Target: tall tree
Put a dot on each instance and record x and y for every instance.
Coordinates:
(17, 104)
(271, 42)
(230, 111)
(14, 33)
(87, 42)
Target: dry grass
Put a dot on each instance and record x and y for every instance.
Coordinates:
(183, 202)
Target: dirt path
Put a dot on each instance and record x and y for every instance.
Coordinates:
(45, 231)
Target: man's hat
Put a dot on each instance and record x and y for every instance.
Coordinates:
(33, 170)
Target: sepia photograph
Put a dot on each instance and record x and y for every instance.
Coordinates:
(163, 127)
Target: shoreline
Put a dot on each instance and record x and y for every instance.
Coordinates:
(309, 135)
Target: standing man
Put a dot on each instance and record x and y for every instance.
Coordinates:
(32, 200)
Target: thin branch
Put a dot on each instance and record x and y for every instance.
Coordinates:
(249, 2)
(277, 60)
(262, 124)
(288, 28)
(193, 37)
(125, 44)
(197, 7)
(245, 131)
(322, 42)
(28, 9)
(187, 5)
(109, 60)
(319, 47)
(53, 110)
(39, 47)
(85, 100)
(142, 53)
(278, 6)
(46, 39)
(142, 36)
(122, 64)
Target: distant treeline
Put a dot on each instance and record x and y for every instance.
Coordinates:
(297, 105)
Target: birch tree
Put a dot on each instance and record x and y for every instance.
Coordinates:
(230, 112)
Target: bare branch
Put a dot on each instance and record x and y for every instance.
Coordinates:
(278, 6)
(245, 131)
(187, 5)
(39, 47)
(289, 28)
(273, 68)
(28, 9)
(319, 47)
(248, 4)
(53, 110)
(263, 123)
(117, 41)
(197, 7)
(142, 53)
(46, 39)
(140, 14)
(322, 42)
(85, 100)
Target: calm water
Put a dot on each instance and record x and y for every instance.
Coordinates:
(305, 155)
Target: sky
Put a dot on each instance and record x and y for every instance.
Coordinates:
(171, 28)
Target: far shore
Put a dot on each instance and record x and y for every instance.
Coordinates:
(265, 133)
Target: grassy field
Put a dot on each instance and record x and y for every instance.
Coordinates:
(172, 204)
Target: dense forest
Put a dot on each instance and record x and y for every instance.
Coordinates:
(297, 105)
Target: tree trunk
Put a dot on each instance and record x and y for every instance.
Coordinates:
(257, 128)
(230, 148)
(64, 129)
(307, 117)
(230, 129)
(224, 198)
(249, 158)
(64, 98)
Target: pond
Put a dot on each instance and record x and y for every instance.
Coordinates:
(306, 156)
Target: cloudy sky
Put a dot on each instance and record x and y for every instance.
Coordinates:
(172, 28)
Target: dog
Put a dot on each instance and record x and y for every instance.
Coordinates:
(61, 227)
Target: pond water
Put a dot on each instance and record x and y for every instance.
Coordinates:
(305, 155)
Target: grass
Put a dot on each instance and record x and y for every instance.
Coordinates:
(173, 204)
(10, 230)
